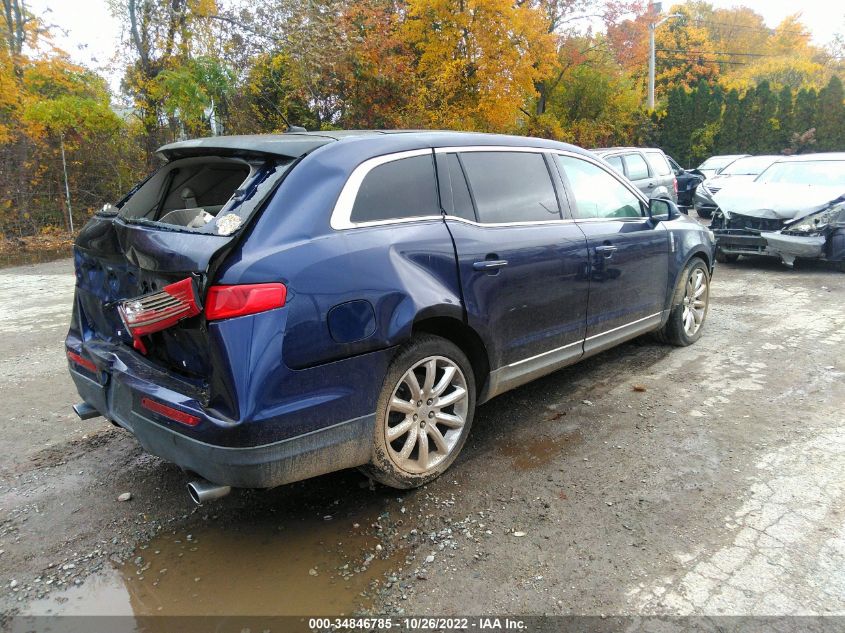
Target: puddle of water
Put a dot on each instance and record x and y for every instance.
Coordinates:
(305, 567)
(25, 258)
(537, 452)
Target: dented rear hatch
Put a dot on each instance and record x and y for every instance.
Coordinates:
(177, 225)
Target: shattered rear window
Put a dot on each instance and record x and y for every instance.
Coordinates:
(205, 194)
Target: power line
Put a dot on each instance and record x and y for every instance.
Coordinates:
(759, 29)
(702, 61)
(676, 50)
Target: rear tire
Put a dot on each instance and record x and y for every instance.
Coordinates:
(690, 304)
(704, 213)
(424, 413)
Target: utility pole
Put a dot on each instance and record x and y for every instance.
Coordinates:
(67, 187)
(652, 27)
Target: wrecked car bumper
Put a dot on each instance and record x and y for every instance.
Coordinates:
(120, 385)
(739, 242)
(791, 246)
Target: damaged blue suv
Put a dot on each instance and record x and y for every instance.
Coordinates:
(263, 309)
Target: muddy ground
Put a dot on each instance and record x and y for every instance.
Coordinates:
(704, 480)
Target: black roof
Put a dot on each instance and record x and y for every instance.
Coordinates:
(295, 144)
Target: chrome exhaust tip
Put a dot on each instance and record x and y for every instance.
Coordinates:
(202, 491)
(85, 411)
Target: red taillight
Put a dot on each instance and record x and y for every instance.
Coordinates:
(675, 183)
(225, 302)
(82, 362)
(159, 310)
(169, 412)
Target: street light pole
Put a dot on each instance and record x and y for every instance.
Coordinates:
(652, 27)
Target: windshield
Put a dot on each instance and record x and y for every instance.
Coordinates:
(811, 172)
(717, 162)
(751, 166)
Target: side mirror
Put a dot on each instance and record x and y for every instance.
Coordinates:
(680, 171)
(662, 210)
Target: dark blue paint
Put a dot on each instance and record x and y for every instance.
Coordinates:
(352, 321)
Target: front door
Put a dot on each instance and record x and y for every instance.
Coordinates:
(629, 254)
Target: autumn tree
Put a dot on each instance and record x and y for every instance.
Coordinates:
(164, 38)
(476, 61)
(594, 104)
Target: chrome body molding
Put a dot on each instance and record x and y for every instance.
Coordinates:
(524, 371)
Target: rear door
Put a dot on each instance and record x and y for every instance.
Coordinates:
(522, 260)
(638, 173)
(629, 255)
(662, 174)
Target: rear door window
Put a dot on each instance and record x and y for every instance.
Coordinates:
(403, 188)
(511, 186)
(461, 199)
(616, 163)
(597, 193)
(659, 165)
(636, 166)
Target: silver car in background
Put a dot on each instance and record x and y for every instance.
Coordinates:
(647, 168)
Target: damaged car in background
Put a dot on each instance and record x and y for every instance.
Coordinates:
(744, 169)
(793, 210)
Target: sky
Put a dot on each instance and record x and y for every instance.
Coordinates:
(93, 34)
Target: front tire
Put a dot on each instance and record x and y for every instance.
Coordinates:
(690, 304)
(704, 213)
(424, 413)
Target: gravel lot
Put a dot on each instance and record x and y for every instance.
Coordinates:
(647, 480)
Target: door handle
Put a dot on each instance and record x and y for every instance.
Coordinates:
(490, 264)
(606, 251)
(650, 185)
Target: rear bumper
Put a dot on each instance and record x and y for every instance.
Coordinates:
(117, 389)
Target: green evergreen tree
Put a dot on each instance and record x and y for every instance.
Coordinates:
(745, 138)
(763, 127)
(676, 125)
(805, 110)
(786, 118)
(830, 117)
(728, 137)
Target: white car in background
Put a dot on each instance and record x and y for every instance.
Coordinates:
(794, 209)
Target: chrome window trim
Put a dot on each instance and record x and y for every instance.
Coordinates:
(341, 217)
(342, 212)
(491, 148)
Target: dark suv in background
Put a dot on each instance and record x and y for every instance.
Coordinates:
(268, 308)
(648, 169)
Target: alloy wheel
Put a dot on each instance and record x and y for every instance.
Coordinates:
(426, 414)
(696, 295)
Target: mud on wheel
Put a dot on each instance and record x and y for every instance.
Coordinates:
(424, 413)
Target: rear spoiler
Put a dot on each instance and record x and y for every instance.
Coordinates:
(284, 145)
